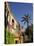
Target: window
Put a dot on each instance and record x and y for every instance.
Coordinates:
(16, 41)
(12, 20)
(12, 23)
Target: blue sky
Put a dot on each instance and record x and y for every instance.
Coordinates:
(20, 9)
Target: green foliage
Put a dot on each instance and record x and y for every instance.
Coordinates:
(9, 38)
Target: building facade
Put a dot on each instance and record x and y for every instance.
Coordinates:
(12, 26)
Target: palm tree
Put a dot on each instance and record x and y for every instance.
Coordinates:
(25, 19)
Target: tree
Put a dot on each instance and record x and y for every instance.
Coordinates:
(25, 19)
(29, 32)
